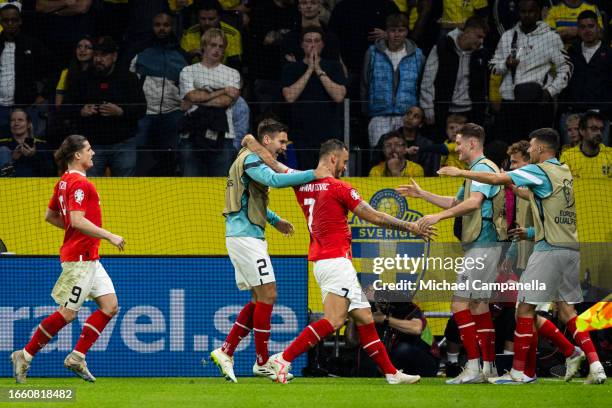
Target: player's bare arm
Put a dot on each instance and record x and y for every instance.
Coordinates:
(480, 176)
(54, 218)
(367, 213)
(284, 227)
(79, 222)
(253, 145)
(464, 207)
(415, 191)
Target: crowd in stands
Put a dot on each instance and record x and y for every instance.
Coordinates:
(169, 87)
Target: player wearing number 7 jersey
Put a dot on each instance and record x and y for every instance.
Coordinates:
(247, 212)
(326, 203)
(75, 208)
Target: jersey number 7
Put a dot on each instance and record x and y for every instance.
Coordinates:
(310, 202)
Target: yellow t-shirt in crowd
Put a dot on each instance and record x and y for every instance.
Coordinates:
(411, 169)
(61, 84)
(229, 4)
(172, 4)
(584, 166)
(402, 5)
(191, 41)
(457, 11)
(453, 157)
(562, 15)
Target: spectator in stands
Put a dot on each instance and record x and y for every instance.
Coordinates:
(62, 24)
(456, 75)
(138, 33)
(391, 73)
(271, 20)
(106, 104)
(447, 150)
(359, 23)
(310, 11)
(525, 57)
(456, 12)
(590, 158)
(404, 331)
(27, 69)
(158, 67)
(209, 16)
(418, 12)
(80, 63)
(241, 115)
(315, 87)
(572, 132)
(414, 119)
(563, 16)
(27, 154)
(590, 86)
(209, 89)
(395, 163)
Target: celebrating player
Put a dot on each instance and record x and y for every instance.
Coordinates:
(75, 208)
(555, 260)
(247, 212)
(326, 203)
(480, 207)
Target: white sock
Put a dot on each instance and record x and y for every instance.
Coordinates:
(28, 357)
(487, 366)
(78, 353)
(595, 365)
(473, 365)
(452, 357)
(516, 374)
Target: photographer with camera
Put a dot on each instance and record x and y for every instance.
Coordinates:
(23, 155)
(403, 329)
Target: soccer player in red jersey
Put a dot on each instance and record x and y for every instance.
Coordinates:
(326, 203)
(75, 208)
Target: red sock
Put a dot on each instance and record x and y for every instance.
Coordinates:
(261, 330)
(47, 329)
(241, 328)
(532, 357)
(549, 331)
(91, 330)
(369, 340)
(583, 340)
(485, 332)
(523, 337)
(309, 337)
(467, 329)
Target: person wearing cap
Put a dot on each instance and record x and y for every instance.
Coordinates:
(24, 64)
(105, 105)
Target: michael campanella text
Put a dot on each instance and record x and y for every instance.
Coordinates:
(454, 286)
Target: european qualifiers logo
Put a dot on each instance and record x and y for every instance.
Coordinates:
(371, 241)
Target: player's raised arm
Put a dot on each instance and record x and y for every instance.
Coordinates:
(367, 213)
(79, 222)
(479, 176)
(415, 191)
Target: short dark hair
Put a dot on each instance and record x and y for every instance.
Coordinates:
(473, 130)
(65, 153)
(269, 127)
(331, 146)
(397, 20)
(519, 147)
(312, 29)
(584, 119)
(588, 14)
(476, 22)
(208, 5)
(548, 136)
(456, 118)
(392, 135)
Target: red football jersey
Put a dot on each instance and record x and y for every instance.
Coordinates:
(326, 203)
(75, 193)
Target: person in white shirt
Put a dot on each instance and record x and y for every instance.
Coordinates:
(206, 88)
(525, 57)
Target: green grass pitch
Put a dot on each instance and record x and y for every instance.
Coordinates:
(315, 393)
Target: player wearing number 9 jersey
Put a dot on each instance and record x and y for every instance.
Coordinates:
(75, 208)
(326, 203)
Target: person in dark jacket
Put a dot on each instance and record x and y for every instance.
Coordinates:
(28, 69)
(106, 105)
